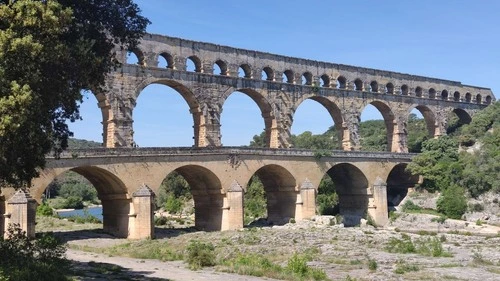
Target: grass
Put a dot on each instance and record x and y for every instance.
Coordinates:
(426, 246)
(402, 267)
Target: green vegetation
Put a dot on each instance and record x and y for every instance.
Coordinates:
(425, 246)
(452, 202)
(255, 202)
(402, 267)
(49, 52)
(71, 191)
(200, 254)
(22, 258)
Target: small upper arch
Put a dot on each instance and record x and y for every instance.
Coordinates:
(479, 99)
(222, 66)
(307, 78)
(405, 91)
(193, 63)
(358, 84)
(432, 93)
(456, 96)
(268, 73)
(389, 88)
(135, 56)
(468, 97)
(325, 81)
(444, 95)
(374, 86)
(245, 71)
(341, 82)
(169, 59)
(288, 76)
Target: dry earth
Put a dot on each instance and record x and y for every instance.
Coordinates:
(343, 253)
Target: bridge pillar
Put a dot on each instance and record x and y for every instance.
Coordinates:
(22, 211)
(232, 213)
(115, 214)
(306, 201)
(141, 224)
(379, 210)
(209, 126)
(399, 138)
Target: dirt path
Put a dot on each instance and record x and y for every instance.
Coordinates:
(88, 268)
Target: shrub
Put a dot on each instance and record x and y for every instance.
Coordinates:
(73, 202)
(326, 203)
(297, 265)
(410, 206)
(44, 210)
(372, 264)
(163, 221)
(452, 202)
(200, 254)
(476, 207)
(173, 205)
(23, 258)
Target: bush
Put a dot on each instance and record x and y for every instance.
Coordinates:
(326, 203)
(163, 221)
(372, 264)
(200, 254)
(73, 202)
(23, 258)
(173, 205)
(476, 207)
(410, 206)
(44, 210)
(452, 202)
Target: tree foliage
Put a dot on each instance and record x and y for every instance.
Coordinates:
(50, 51)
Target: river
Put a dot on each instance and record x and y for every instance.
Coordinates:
(94, 211)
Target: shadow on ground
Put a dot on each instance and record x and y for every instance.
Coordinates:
(105, 271)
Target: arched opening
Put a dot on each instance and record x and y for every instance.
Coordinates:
(417, 131)
(374, 87)
(166, 60)
(389, 88)
(432, 93)
(351, 187)
(404, 90)
(267, 74)
(288, 76)
(341, 82)
(189, 190)
(280, 194)
(85, 189)
(325, 81)
(244, 71)
(377, 127)
(135, 57)
(456, 119)
(418, 92)
(468, 97)
(220, 68)
(320, 134)
(479, 99)
(399, 182)
(92, 118)
(444, 95)
(456, 96)
(162, 116)
(307, 78)
(488, 99)
(358, 85)
(430, 123)
(193, 64)
(241, 120)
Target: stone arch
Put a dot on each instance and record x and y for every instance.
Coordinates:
(456, 96)
(113, 194)
(374, 87)
(463, 116)
(334, 112)
(432, 93)
(280, 187)
(169, 59)
(194, 105)
(399, 181)
(444, 95)
(479, 99)
(208, 196)
(325, 81)
(288, 76)
(468, 97)
(358, 84)
(139, 54)
(222, 66)
(107, 117)
(405, 90)
(389, 87)
(429, 117)
(418, 91)
(269, 72)
(264, 106)
(247, 70)
(488, 99)
(307, 78)
(196, 61)
(341, 82)
(388, 116)
(352, 188)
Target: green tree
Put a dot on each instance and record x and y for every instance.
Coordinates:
(452, 202)
(51, 50)
(255, 203)
(173, 186)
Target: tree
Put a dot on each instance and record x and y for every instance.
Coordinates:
(51, 50)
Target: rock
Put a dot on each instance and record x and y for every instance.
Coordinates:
(325, 220)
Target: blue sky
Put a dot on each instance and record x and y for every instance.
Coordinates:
(455, 40)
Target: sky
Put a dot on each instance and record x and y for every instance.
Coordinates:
(455, 40)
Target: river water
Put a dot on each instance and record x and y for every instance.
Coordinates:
(94, 211)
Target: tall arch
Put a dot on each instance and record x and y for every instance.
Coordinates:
(335, 113)
(206, 189)
(351, 186)
(188, 96)
(279, 185)
(429, 117)
(264, 107)
(388, 117)
(399, 182)
(93, 103)
(456, 119)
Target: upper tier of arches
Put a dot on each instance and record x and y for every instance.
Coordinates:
(186, 55)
